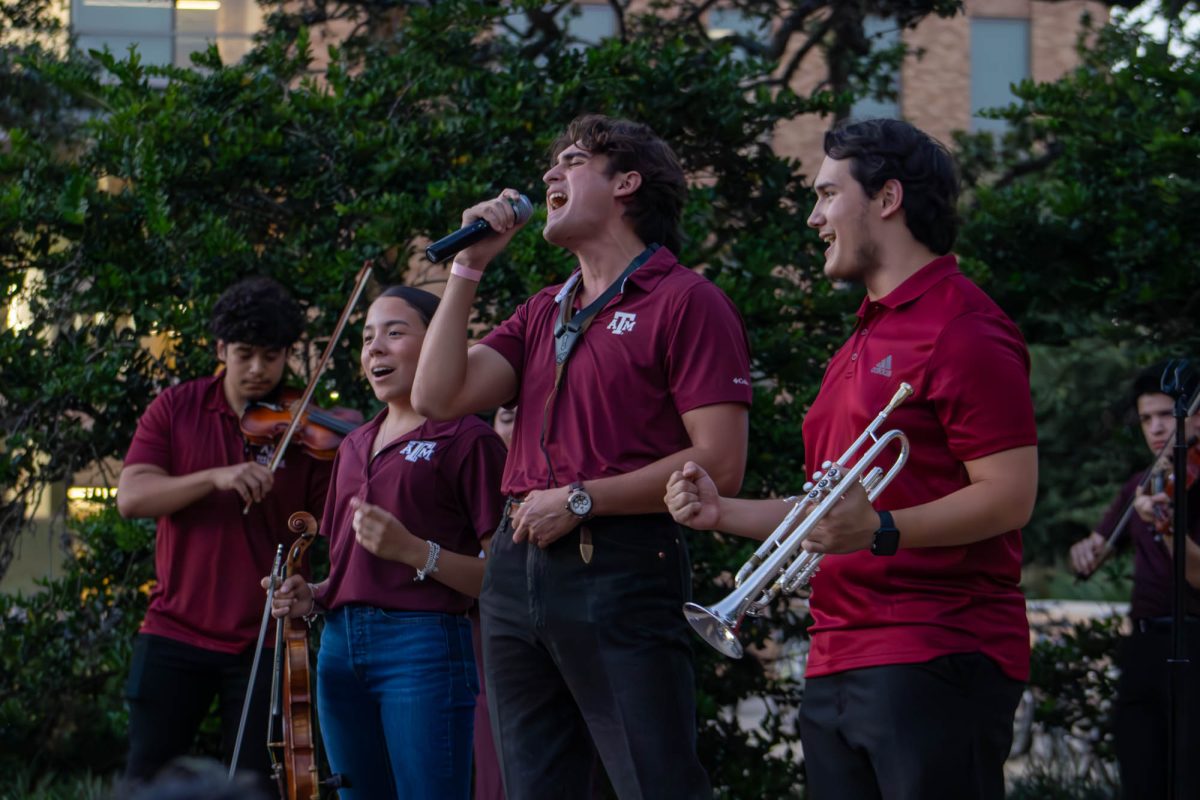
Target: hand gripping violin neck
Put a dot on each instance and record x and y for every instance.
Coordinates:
(291, 737)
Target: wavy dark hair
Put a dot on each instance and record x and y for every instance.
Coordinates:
(257, 311)
(885, 149)
(657, 206)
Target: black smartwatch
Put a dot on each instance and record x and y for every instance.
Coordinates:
(887, 537)
(579, 502)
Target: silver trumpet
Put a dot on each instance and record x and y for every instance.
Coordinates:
(780, 564)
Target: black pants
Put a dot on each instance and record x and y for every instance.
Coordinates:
(941, 729)
(170, 689)
(599, 652)
(1142, 713)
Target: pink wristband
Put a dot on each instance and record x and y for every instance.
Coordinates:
(466, 272)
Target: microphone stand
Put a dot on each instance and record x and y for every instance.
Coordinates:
(1178, 664)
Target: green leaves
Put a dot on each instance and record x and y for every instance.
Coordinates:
(1080, 225)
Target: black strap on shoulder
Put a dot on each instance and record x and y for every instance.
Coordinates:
(567, 332)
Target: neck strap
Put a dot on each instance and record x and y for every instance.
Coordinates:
(568, 331)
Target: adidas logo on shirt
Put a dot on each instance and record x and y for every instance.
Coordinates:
(883, 368)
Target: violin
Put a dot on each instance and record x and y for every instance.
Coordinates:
(1164, 483)
(299, 411)
(1163, 520)
(292, 740)
(319, 433)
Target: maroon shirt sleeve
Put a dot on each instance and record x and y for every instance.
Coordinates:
(479, 482)
(979, 385)
(152, 440)
(328, 517)
(708, 357)
(508, 338)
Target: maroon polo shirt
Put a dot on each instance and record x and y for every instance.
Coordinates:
(669, 343)
(1153, 570)
(209, 557)
(969, 370)
(441, 480)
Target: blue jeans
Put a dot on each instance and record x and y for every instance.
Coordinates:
(396, 699)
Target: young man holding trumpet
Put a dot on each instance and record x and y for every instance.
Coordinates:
(920, 643)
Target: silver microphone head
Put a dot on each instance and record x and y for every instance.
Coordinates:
(522, 208)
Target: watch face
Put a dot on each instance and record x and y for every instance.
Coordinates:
(887, 542)
(580, 503)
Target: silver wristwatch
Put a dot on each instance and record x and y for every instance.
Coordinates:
(579, 502)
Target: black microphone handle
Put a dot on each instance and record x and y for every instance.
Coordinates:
(470, 234)
(461, 239)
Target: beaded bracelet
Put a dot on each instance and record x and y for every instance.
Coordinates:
(430, 567)
(314, 610)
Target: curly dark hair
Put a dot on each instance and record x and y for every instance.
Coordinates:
(1149, 380)
(885, 149)
(657, 205)
(257, 311)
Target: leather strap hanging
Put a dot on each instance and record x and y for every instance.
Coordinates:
(570, 329)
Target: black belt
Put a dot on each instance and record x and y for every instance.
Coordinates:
(1160, 624)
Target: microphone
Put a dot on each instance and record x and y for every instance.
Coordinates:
(477, 231)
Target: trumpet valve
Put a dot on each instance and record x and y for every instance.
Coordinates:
(807, 487)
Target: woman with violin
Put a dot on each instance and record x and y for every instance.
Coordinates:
(190, 466)
(411, 503)
(1141, 712)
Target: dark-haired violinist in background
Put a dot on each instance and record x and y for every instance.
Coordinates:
(1142, 712)
(411, 503)
(190, 466)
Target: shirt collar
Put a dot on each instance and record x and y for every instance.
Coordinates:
(916, 284)
(427, 430)
(645, 277)
(214, 395)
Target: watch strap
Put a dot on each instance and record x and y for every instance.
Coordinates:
(887, 536)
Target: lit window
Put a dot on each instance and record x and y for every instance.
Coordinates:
(999, 59)
(166, 31)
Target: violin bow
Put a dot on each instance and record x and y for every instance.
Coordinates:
(276, 569)
(301, 406)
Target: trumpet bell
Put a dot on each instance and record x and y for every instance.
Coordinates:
(714, 629)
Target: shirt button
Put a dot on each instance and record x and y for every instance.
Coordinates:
(862, 333)
(854, 356)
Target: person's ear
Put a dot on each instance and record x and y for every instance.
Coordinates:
(628, 184)
(891, 198)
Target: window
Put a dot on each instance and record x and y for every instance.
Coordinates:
(883, 34)
(999, 59)
(585, 25)
(593, 23)
(122, 23)
(724, 22)
(166, 31)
